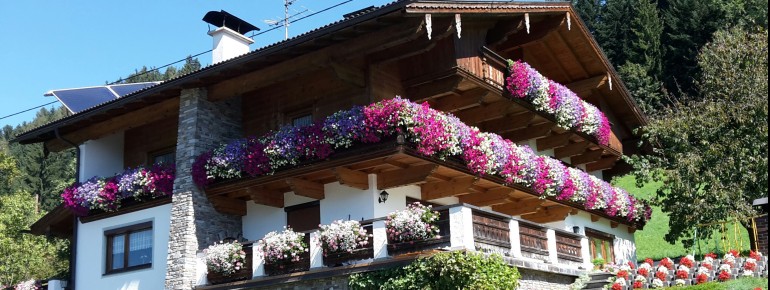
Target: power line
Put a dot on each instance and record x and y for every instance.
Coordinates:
(190, 56)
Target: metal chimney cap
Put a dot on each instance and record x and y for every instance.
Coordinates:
(222, 18)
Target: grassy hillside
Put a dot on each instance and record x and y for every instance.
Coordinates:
(650, 242)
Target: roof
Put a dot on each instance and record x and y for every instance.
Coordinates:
(279, 51)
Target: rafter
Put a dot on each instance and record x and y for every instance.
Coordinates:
(570, 150)
(458, 101)
(553, 141)
(485, 112)
(602, 164)
(587, 84)
(521, 207)
(442, 28)
(549, 214)
(508, 123)
(586, 157)
(265, 196)
(349, 73)
(228, 205)
(530, 132)
(407, 176)
(456, 186)
(490, 197)
(425, 91)
(351, 178)
(306, 188)
(503, 29)
(539, 31)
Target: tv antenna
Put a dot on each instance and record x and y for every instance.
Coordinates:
(286, 17)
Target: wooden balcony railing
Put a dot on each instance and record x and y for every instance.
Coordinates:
(491, 233)
(533, 239)
(568, 246)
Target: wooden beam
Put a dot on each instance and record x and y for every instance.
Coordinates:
(484, 112)
(442, 28)
(553, 141)
(594, 218)
(587, 84)
(508, 123)
(588, 156)
(306, 188)
(521, 207)
(133, 119)
(490, 197)
(401, 177)
(456, 186)
(570, 150)
(351, 178)
(268, 197)
(503, 29)
(613, 224)
(425, 91)
(602, 164)
(455, 101)
(549, 214)
(538, 32)
(228, 205)
(530, 132)
(631, 230)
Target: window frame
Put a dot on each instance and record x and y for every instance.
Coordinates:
(297, 114)
(607, 240)
(156, 153)
(126, 231)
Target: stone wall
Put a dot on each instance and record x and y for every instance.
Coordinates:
(331, 283)
(195, 224)
(538, 280)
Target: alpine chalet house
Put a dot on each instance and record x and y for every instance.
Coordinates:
(505, 117)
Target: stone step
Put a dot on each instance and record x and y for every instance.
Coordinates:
(595, 284)
(600, 276)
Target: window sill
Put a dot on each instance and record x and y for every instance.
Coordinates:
(128, 269)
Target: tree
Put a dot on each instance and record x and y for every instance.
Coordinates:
(711, 152)
(8, 170)
(24, 256)
(153, 74)
(590, 11)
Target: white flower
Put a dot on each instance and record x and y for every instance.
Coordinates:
(640, 278)
(724, 267)
(748, 273)
(620, 281)
(683, 267)
(625, 268)
(690, 257)
(703, 270)
(657, 283)
(679, 282)
(30, 284)
(224, 258)
(662, 269)
(645, 265)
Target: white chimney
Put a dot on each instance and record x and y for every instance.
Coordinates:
(229, 38)
(228, 44)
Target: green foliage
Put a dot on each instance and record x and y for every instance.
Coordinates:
(8, 170)
(590, 11)
(598, 262)
(742, 283)
(146, 74)
(451, 270)
(24, 256)
(711, 155)
(647, 90)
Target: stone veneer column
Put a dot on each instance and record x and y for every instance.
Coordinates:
(195, 223)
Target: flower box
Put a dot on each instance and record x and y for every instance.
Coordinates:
(416, 246)
(218, 278)
(287, 266)
(339, 258)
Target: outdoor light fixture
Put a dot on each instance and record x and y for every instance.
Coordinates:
(576, 229)
(383, 197)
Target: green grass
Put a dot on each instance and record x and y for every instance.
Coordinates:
(650, 242)
(742, 283)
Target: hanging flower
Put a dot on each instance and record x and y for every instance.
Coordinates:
(224, 258)
(687, 261)
(416, 222)
(282, 246)
(342, 236)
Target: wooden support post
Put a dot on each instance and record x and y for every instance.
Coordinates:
(306, 188)
(268, 197)
(526, 206)
(228, 205)
(407, 176)
(549, 214)
(594, 218)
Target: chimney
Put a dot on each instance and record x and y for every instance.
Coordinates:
(229, 38)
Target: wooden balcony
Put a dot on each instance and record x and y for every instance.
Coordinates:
(518, 241)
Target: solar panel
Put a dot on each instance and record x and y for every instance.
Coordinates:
(125, 89)
(79, 99)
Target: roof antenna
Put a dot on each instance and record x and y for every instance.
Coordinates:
(286, 17)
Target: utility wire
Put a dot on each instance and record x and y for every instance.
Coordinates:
(191, 56)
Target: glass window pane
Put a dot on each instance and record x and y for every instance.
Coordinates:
(598, 247)
(118, 247)
(302, 121)
(140, 248)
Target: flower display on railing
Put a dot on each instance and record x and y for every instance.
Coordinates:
(639, 282)
(287, 245)
(547, 96)
(724, 272)
(416, 222)
(683, 272)
(687, 261)
(342, 236)
(619, 284)
(432, 133)
(224, 258)
(702, 276)
(106, 194)
(644, 268)
(657, 283)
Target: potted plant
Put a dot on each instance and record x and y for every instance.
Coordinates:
(344, 241)
(284, 252)
(413, 228)
(598, 263)
(226, 262)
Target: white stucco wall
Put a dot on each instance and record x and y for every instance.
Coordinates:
(624, 245)
(91, 252)
(102, 157)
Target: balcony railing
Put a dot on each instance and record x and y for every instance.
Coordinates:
(461, 227)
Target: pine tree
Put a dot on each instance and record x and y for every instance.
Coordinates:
(590, 11)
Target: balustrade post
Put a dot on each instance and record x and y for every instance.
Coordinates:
(461, 228)
(552, 251)
(513, 227)
(257, 263)
(316, 252)
(380, 239)
(585, 252)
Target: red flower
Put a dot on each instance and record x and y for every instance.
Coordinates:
(708, 266)
(666, 262)
(632, 265)
(617, 287)
(682, 274)
(712, 255)
(638, 285)
(723, 276)
(643, 272)
(750, 266)
(701, 278)
(649, 261)
(661, 275)
(622, 274)
(735, 253)
(755, 255)
(686, 262)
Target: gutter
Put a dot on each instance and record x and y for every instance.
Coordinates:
(74, 244)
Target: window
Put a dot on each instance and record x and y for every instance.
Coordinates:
(302, 120)
(601, 245)
(166, 156)
(303, 217)
(129, 248)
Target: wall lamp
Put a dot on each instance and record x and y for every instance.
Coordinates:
(383, 196)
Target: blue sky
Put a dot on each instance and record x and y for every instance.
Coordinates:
(50, 45)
